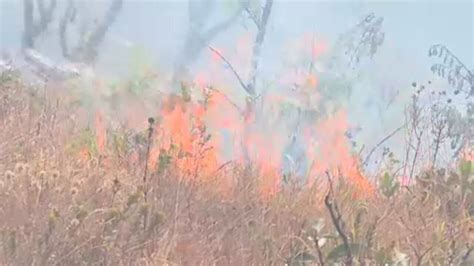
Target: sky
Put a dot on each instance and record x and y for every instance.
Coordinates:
(159, 26)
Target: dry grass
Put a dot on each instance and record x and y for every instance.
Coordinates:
(60, 208)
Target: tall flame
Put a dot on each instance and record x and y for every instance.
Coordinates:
(331, 152)
(207, 129)
(100, 132)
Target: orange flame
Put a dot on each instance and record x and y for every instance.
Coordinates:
(84, 154)
(182, 133)
(100, 132)
(331, 152)
(468, 153)
(153, 157)
(184, 127)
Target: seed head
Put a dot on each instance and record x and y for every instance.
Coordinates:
(116, 185)
(74, 191)
(42, 175)
(75, 222)
(9, 175)
(19, 167)
(151, 120)
(55, 174)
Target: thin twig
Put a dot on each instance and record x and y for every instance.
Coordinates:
(318, 250)
(382, 142)
(151, 121)
(415, 157)
(468, 253)
(336, 218)
(228, 100)
(222, 166)
(89, 48)
(242, 83)
(258, 46)
(252, 15)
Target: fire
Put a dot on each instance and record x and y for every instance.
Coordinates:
(178, 127)
(318, 48)
(208, 129)
(100, 132)
(181, 133)
(468, 153)
(153, 157)
(310, 47)
(331, 152)
(312, 81)
(84, 154)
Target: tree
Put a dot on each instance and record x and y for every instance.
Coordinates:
(461, 80)
(452, 69)
(85, 52)
(260, 18)
(359, 42)
(33, 29)
(199, 34)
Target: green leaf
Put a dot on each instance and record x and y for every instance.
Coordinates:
(465, 167)
(389, 185)
(341, 251)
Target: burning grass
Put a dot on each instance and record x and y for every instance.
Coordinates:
(103, 193)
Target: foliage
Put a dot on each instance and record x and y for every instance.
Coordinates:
(457, 74)
(389, 185)
(140, 71)
(61, 208)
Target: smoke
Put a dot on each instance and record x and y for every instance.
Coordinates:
(311, 116)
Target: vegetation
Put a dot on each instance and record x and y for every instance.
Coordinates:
(125, 173)
(74, 194)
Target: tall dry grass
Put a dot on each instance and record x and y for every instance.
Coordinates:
(63, 206)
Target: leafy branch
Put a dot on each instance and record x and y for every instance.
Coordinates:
(453, 69)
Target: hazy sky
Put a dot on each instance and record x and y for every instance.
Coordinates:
(411, 26)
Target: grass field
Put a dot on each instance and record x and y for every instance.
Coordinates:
(76, 190)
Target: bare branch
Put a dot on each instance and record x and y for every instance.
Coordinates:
(242, 83)
(336, 218)
(63, 23)
(258, 46)
(465, 257)
(32, 30)
(46, 14)
(252, 15)
(381, 142)
(219, 27)
(87, 52)
(228, 100)
(198, 38)
(28, 40)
